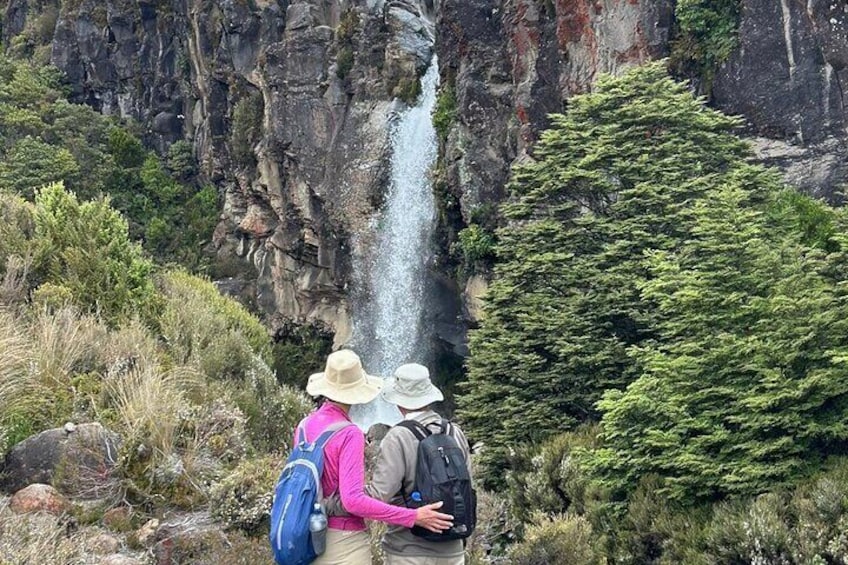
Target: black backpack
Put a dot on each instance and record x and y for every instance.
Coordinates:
(442, 475)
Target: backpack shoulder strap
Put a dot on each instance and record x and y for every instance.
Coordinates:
(329, 432)
(301, 432)
(417, 428)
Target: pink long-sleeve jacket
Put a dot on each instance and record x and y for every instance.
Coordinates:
(344, 472)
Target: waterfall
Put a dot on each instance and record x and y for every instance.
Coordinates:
(388, 325)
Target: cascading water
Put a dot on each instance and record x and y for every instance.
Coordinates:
(388, 327)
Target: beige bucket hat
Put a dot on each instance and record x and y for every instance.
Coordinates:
(344, 380)
(411, 387)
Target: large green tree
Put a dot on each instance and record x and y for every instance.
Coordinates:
(746, 386)
(614, 178)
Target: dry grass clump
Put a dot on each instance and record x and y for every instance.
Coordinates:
(41, 363)
(148, 402)
(36, 539)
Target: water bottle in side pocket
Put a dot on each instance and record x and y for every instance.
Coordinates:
(318, 529)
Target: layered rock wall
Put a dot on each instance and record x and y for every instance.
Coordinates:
(288, 104)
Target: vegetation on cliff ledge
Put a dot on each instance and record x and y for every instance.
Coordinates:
(45, 139)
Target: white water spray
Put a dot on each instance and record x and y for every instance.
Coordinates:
(388, 328)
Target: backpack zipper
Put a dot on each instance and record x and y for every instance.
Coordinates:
(282, 521)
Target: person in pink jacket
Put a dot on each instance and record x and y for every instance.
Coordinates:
(342, 384)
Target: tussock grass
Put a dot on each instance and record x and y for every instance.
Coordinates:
(36, 539)
(64, 343)
(148, 401)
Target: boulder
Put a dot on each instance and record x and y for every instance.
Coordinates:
(39, 498)
(78, 460)
(104, 544)
(146, 535)
(187, 538)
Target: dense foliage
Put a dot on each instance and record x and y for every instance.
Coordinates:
(614, 177)
(89, 332)
(45, 139)
(689, 310)
(744, 387)
(707, 32)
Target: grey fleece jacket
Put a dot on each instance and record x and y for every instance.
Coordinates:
(394, 476)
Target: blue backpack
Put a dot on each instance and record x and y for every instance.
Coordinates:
(297, 491)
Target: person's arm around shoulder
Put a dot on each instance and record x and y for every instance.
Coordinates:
(357, 502)
(389, 467)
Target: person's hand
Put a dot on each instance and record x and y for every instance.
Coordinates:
(333, 506)
(428, 518)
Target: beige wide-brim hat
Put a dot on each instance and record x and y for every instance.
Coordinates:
(411, 388)
(344, 380)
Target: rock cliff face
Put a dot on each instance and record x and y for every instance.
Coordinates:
(787, 78)
(288, 107)
(289, 102)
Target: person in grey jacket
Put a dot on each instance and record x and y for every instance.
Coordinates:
(394, 469)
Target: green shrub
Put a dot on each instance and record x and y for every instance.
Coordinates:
(272, 410)
(85, 247)
(757, 532)
(247, 127)
(477, 244)
(125, 148)
(344, 61)
(560, 540)
(17, 228)
(549, 478)
(52, 297)
(348, 26)
(299, 351)
(564, 305)
(208, 330)
(445, 112)
(748, 317)
(707, 33)
(31, 164)
(407, 88)
(242, 500)
(181, 162)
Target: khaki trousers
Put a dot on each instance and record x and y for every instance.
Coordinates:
(393, 559)
(346, 547)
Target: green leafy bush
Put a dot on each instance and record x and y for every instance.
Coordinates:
(707, 33)
(272, 410)
(560, 540)
(344, 62)
(614, 178)
(30, 164)
(445, 113)
(242, 500)
(247, 127)
(743, 388)
(210, 331)
(550, 478)
(299, 351)
(477, 244)
(85, 247)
